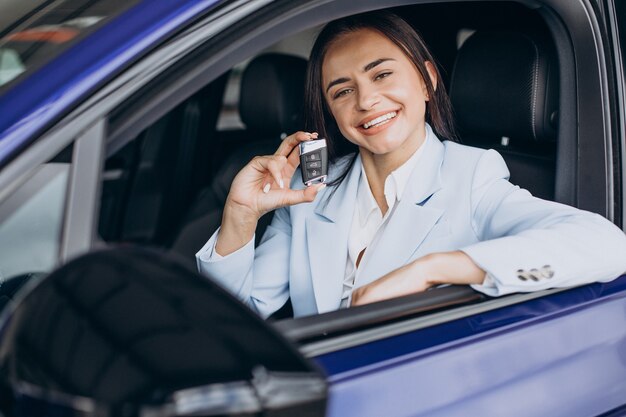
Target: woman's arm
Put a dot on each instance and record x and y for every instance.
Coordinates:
(259, 277)
(528, 244)
(437, 268)
(260, 187)
(518, 234)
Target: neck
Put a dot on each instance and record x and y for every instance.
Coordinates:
(378, 167)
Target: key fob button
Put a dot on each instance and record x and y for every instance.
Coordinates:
(313, 161)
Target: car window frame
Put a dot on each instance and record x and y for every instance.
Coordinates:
(262, 20)
(87, 126)
(83, 198)
(81, 188)
(593, 195)
(331, 332)
(580, 158)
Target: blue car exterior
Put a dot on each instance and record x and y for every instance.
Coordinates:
(559, 354)
(31, 107)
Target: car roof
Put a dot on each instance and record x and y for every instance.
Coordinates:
(31, 105)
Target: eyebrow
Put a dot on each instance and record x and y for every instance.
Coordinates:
(366, 68)
(375, 63)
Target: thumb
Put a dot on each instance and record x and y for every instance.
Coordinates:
(306, 195)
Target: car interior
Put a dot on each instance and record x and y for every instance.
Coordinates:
(166, 187)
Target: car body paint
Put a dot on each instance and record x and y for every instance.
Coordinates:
(29, 107)
(553, 350)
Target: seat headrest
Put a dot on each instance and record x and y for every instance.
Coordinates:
(272, 93)
(504, 84)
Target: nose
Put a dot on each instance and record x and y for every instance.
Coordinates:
(367, 97)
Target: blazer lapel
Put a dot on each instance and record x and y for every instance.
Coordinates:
(327, 238)
(412, 220)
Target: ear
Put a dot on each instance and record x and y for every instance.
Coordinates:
(432, 73)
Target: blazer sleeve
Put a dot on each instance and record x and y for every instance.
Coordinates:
(259, 277)
(528, 244)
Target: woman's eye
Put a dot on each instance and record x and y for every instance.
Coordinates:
(382, 75)
(342, 93)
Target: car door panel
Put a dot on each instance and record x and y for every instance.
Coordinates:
(559, 355)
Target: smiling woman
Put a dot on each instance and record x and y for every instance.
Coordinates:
(410, 210)
(119, 130)
(384, 95)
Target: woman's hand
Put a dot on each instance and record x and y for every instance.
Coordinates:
(262, 186)
(437, 268)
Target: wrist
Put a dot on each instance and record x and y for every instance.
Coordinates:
(237, 228)
(239, 215)
(454, 267)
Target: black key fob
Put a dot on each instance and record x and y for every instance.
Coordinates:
(313, 161)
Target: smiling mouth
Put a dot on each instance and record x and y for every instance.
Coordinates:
(380, 120)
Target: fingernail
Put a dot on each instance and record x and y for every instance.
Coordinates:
(281, 183)
(321, 187)
(266, 188)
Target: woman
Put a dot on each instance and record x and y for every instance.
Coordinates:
(404, 213)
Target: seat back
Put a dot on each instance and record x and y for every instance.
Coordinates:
(504, 91)
(149, 183)
(270, 103)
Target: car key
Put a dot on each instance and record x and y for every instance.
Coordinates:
(313, 161)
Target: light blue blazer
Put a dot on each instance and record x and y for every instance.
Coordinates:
(458, 197)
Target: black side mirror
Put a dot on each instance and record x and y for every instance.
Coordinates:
(133, 332)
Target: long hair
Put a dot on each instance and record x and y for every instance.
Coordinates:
(318, 117)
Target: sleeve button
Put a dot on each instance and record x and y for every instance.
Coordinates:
(534, 274)
(547, 270)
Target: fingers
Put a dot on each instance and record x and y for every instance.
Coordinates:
(272, 164)
(292, 197)
(273, 172)
(288, 152)
(276, 198)
(290, 142)
(311, 192)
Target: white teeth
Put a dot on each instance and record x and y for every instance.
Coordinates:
(380, 120)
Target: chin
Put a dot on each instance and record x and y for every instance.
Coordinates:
(382, 150)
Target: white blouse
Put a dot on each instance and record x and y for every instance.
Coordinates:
(368, 223)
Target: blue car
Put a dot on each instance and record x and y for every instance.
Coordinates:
(122, 125)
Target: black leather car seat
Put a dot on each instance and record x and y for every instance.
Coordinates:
(504, 91)
(150, 182)
(270, 103)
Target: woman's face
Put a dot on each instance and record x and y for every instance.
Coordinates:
(375, 93)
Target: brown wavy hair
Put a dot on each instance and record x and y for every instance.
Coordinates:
(317, 115)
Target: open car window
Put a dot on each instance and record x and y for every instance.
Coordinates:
(161, 199)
